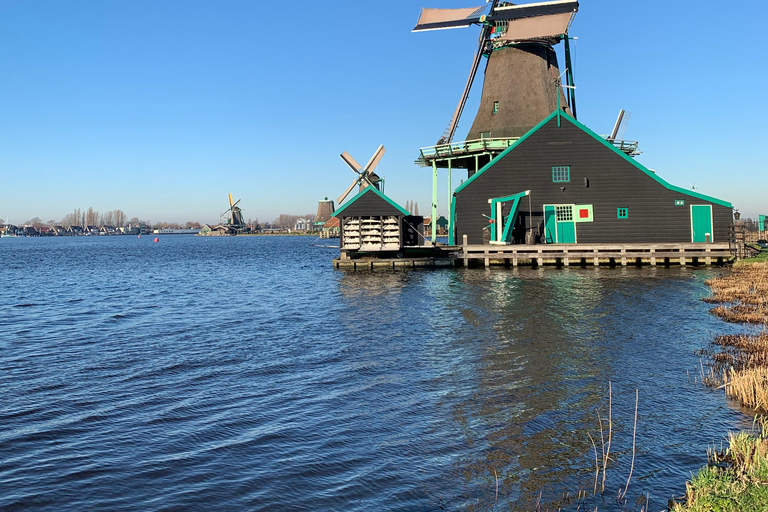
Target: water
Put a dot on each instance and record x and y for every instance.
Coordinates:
(246, 374)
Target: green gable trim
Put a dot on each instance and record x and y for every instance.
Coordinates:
(377, 192)
(505, 152)
(606, 144)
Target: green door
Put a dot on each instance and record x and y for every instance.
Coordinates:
(559, 226)
(550, 228)
(701, 223)
(566, 227)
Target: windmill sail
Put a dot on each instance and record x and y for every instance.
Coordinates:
(436, 19)
(540, 27)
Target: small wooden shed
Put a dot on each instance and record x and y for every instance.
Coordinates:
(372, 222)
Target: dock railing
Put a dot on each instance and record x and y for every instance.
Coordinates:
(595, 254)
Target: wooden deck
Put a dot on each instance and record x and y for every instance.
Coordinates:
(541, 255)
(390, 263)
(595, 254)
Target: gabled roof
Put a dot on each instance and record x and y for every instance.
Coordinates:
(605, 143)
(376, 191)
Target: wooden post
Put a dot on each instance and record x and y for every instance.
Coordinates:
(514, 257)
(540, 259)
(682, 256)
(464, 249)
(595, 260)
(653, 257)
(623, 256)
(487, 259)
(566, 259)
(708, 259)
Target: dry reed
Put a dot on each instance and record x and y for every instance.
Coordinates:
(742, 294)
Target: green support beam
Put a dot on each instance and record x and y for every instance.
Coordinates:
(434, 202)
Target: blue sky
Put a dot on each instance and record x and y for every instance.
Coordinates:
(162, 107)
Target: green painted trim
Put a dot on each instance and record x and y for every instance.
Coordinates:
(365, 191)
(505, 152)
(452, 225)
(606, 144)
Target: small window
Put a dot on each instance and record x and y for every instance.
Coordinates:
(679, 202)
(485, 135)
(622, 213)
(561, 174)
(495, 106)
(563, 213)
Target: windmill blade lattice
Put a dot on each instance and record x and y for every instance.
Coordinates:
(365, 175)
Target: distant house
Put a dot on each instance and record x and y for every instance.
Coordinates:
(76, 230)
(60, 231)
(108, 230)
(304, 225)
(219, 230)
(92, 230)
(331, 228)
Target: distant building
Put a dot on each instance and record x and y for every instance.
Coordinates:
(304, 225)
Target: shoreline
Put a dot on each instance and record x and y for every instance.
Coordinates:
(736, 477)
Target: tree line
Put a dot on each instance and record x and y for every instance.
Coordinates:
(118, 219)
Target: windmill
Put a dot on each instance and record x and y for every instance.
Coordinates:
(235, 214)
(365, 175)
(518, 42)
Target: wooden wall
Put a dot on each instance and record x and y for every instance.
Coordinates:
(612, 182)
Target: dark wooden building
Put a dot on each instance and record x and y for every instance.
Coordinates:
(580, 189)
(372, 222)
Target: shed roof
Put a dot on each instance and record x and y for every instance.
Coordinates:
(371, 190)
(566, 117)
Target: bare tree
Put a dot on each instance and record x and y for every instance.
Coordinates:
(285, 221)
(119, 218)
(108, 219)
(91, 217)
(36, 221)
(416, 208)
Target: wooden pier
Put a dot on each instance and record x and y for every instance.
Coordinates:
(595, 254)
(546, 254)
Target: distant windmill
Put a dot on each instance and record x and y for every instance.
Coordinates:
(518, 42)
(235, 214)
(365, 175)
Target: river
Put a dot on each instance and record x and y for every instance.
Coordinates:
(245, 373)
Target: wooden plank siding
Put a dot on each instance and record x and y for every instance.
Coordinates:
(611, 182)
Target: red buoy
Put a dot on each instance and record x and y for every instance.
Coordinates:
(157, 239)
(139, 236)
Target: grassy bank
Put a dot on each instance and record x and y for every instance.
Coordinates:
(736, 478)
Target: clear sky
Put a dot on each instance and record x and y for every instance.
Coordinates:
(162, 107)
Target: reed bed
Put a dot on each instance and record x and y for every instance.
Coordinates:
(742, 294)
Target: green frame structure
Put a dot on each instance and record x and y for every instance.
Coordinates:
(496, 206)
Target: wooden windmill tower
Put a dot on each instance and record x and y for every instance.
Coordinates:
(521, 84)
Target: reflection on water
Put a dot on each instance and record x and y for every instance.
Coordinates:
(247, 374)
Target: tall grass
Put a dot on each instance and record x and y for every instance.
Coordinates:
(736, 479)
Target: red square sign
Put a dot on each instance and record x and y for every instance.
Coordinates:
(583, 213)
